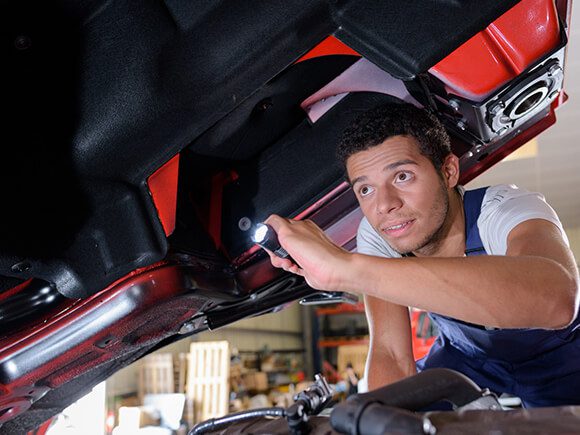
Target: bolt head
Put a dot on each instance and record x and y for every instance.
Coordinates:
(554, 69)
(22, 42)
(454, 104)
(186, 328)
(497, 108)
(245, 223)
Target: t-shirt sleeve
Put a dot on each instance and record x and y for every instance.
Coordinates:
(370, 243)
(506, 206)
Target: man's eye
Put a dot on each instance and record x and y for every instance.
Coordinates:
(365, 190)
(403, 176)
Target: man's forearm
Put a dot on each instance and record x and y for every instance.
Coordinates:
(500, 291)
(382, 370)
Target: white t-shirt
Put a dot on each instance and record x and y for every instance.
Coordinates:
(503, 208)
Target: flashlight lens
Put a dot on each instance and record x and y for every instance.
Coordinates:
(260, 233)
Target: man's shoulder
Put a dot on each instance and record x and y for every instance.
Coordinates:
(509, 198)
(501, 193)
(497, 195)
(504, 206)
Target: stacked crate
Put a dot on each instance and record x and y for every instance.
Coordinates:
(203, 375)
(208, 377)
(156, 375)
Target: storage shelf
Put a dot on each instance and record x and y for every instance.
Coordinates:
(342, 341)
(359, 307)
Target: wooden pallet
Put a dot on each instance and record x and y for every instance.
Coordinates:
(208, 379)
(156, 374)
(180, 372)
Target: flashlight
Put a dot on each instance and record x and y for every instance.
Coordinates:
(266, 237)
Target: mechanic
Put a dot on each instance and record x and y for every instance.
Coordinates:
(492, 266)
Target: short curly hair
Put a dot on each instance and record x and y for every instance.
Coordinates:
(376, 125)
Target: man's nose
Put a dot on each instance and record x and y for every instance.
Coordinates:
(388, 200)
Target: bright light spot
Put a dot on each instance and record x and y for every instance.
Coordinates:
(260, 233)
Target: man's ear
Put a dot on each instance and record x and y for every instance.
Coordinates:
(450, 170)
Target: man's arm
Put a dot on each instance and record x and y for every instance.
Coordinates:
(534, 285)
(390, 356)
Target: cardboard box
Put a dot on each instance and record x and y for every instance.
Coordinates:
(256, 381)
(135, 417)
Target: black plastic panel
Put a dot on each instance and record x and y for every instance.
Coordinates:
(293, 173)
(99, 94)
(271, 112)
(406, 38)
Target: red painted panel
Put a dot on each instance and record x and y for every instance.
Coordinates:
(502, 51)
(327, 47)
(7, 294)
(147, 306)
(163, 187)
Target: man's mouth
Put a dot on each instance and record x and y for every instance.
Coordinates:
(397, 229)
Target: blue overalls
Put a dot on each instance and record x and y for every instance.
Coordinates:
(542, 367)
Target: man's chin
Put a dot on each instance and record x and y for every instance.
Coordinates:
(408, 244)
(408, 248)
(401, 249)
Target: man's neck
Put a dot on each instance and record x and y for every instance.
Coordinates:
(451, 238)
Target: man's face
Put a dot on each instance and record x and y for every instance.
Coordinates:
(400, 192)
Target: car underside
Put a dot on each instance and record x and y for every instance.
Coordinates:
(147, 139)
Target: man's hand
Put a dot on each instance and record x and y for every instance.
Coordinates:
(316, 257)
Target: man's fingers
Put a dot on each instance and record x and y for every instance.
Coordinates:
(276, 222)
(296, 270)
(279, 262)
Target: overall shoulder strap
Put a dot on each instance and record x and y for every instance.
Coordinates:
(472, 200)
